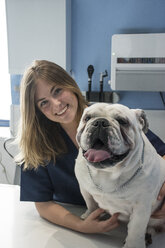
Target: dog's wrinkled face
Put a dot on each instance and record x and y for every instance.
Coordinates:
(107, 133)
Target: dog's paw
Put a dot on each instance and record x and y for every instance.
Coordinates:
(148, 239)
(104, 216)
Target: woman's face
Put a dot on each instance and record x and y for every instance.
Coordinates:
(57, 104)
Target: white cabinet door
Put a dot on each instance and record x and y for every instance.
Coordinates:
(38, 29)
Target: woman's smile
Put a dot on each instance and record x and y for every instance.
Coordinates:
(62, 112)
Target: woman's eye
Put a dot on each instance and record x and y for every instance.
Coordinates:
(57, 91)
(43, 104)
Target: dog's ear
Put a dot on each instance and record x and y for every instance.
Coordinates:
(142, 118)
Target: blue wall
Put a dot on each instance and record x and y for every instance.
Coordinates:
(93, 24)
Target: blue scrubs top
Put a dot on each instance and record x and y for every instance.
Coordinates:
(57, 181)
(54, 181)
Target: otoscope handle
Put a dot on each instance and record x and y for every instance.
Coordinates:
(90, 71)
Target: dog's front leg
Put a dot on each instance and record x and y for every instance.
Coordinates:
(137, 226)
(90, 202)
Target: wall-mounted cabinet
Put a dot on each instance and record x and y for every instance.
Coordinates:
(38, 29)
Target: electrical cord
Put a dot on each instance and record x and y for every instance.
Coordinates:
(17, 170)
(3, 166)
(4, 145)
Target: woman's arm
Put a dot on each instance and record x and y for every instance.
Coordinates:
(158, 144)
(57, 214)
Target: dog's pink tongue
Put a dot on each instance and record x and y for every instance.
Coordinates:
(93, 155)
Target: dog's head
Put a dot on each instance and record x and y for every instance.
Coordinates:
(108, 133)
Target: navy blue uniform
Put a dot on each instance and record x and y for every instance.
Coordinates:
(57, 181)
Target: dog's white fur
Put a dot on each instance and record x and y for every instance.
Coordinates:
(121, 187)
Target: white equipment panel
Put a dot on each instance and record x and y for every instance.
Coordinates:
(138, 62)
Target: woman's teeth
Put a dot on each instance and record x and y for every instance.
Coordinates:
(62, 111)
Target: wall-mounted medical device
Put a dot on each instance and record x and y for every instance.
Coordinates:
(138, 62)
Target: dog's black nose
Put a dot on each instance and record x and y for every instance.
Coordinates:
(101, 122)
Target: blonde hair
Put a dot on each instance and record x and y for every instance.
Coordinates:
(39, 138)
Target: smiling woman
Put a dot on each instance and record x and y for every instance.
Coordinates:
(5, 96)
(56, 102)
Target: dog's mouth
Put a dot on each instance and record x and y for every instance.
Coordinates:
(100, 154)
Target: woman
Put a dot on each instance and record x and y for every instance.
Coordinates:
(51, 107)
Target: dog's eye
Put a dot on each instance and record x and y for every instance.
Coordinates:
(87, 118)
(122, 121)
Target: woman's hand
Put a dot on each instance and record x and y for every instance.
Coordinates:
(160, 214)
(93, 224)
(58, 215)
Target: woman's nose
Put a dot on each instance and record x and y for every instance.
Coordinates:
(55, 102)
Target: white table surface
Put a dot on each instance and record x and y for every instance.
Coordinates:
(22, 227)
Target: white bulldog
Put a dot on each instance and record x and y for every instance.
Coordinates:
(118, 169)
